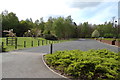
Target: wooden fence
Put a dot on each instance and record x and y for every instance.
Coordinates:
(13, 41)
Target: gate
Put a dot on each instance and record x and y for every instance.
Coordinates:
(11, 40)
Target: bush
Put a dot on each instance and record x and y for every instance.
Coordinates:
(50, 37)
(108, 35)
(86, 65)
(95, 34)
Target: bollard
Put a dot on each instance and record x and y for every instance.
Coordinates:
(51, 48)
(24, 43)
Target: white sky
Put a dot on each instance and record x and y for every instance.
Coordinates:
(35, 9)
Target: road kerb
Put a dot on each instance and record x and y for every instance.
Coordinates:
(51, 69)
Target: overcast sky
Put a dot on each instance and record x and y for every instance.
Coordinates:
(93, 11)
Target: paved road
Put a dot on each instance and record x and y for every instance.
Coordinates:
(27, 63)
(82, 44)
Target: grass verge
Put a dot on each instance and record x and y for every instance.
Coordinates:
(20, 42)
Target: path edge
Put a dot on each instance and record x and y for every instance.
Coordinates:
(50, 68)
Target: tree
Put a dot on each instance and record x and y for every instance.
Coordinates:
(9, 21)
(23, 27)
(42, 25)
(95, 34)
(49, 29)
(85, 30)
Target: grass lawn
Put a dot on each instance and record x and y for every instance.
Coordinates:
(20, 42)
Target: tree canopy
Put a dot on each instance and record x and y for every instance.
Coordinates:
(59, 27)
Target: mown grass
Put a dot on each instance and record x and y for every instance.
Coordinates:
(20, 42)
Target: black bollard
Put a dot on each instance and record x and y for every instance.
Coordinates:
(51, 48)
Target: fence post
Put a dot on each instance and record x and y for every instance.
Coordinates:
(38, 42)
(12, 41)
(32, 43)
(42, 42)
(7, 41)
(51, 48)
(46, 41)
(2, 45)
(24, 43)
(15, 43)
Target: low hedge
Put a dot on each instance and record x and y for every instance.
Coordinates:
(85, 65)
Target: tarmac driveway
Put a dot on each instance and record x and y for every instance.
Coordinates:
(27, 63)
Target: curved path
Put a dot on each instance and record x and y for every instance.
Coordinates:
(27, 63)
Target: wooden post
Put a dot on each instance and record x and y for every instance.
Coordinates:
(24, 43)
(42, 42)
(46, 41)
(32, 43)
(2, 45)
(38, 42)
(15, 43)
(51, 48)
(7, 41)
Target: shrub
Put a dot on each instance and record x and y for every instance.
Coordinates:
(95, 34)
(50, 37)
(86, 65)
(108, 35)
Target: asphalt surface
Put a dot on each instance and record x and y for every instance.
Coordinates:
(82, 44)
(27, 63)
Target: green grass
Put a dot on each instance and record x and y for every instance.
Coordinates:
(85, 65)
(20, 42)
